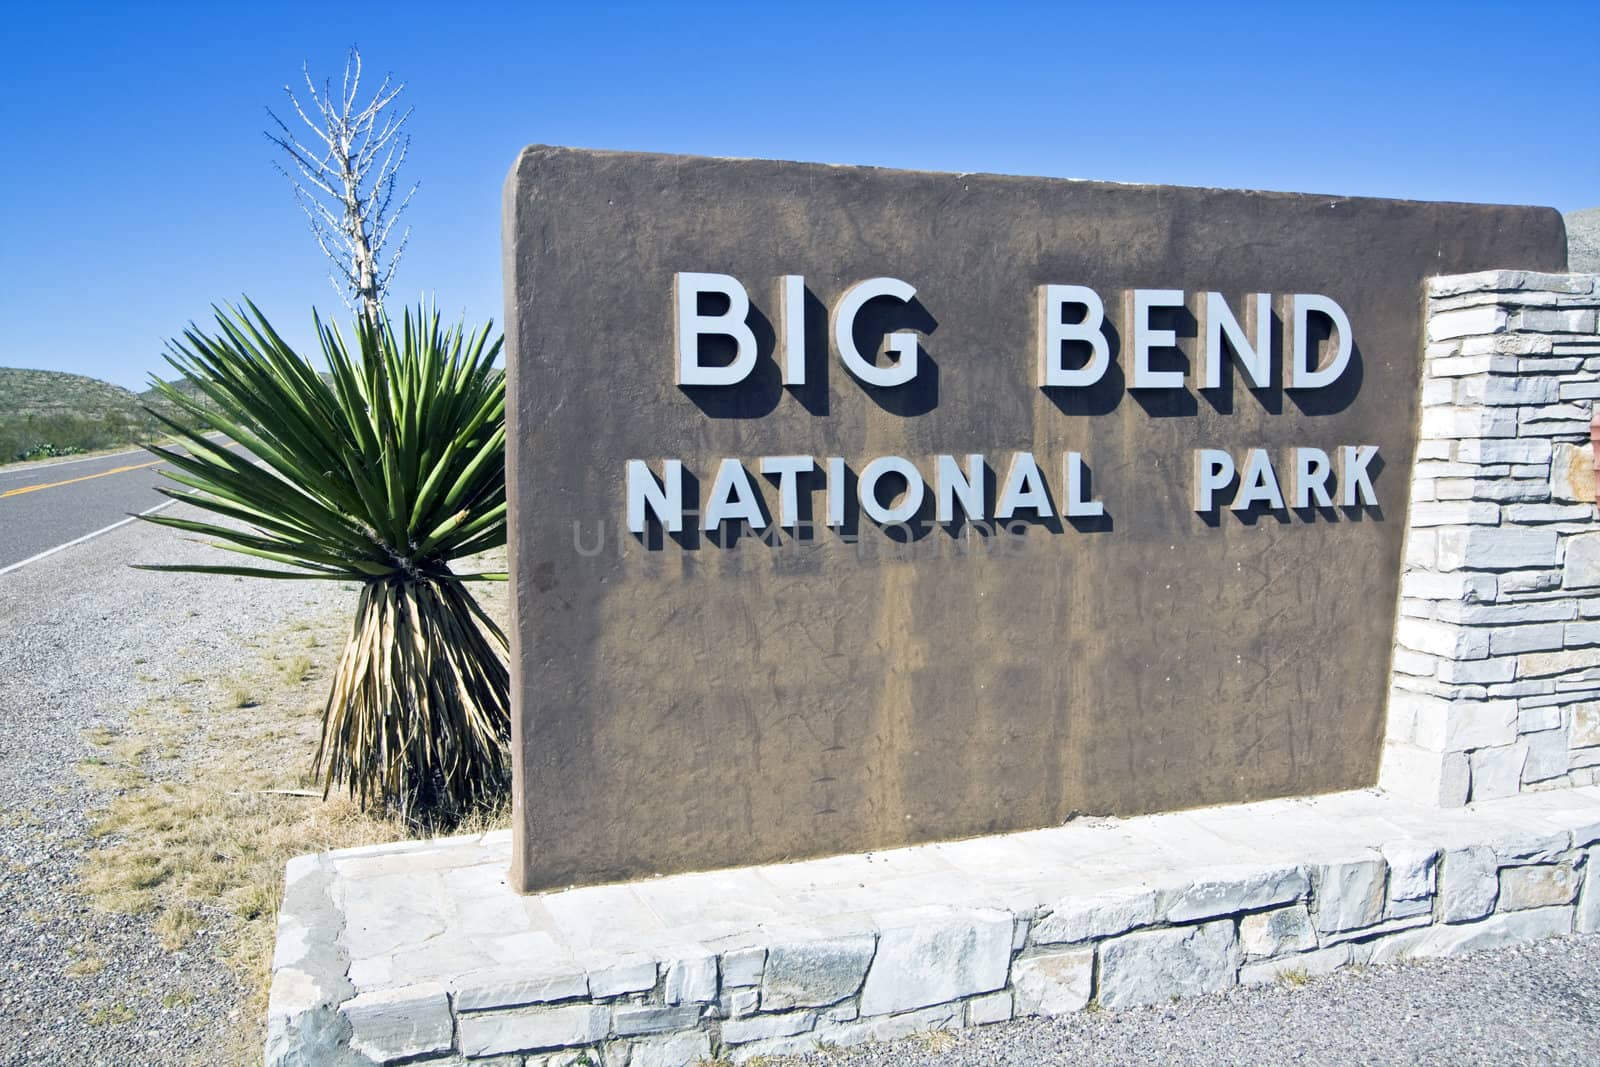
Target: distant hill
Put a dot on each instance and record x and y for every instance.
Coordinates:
(51, 413)
(49, 392)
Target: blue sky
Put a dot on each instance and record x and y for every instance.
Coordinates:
(138, 189)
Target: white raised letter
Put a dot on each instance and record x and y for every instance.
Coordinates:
(1258, 484)
(1311, 470)
(903, 345)
(692, 325)
(1053, 333)
(909, 503)
(1301, 374)
(733, 498)
(953, 485)
(1353, 478)
(1144, 339)
(665, 500)
(793, 312)
(1077, 506)
(835, 491)
(1213, 470)
(1255, 360)
(786, 468)
(1023, 489)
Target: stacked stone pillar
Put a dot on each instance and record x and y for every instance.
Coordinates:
(1495, 685)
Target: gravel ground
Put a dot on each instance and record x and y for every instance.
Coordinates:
(87, 640)
(1537, 1004)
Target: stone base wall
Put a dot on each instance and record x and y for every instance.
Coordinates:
(778, 989)
(1496, 678)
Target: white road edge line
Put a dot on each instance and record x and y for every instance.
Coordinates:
(85, 537)
(29, 468)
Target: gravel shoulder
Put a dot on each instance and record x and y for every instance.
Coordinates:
(90, 646)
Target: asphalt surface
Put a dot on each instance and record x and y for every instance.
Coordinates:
(53, 503)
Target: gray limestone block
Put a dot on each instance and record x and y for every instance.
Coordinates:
(815, 973)
(764, 1027)
(1587, 920)
(1496, 549)
(1539, 637)
(1582, 566)
(929, 956)
(1412, 870)
(582, 1057)
(513, 992)
(676, 1050)
(628, 974)
(1540, 885)
(1469, 884)
(399, 1024)
(1106, 915)
(1572, 472)
(1233, 890)
(892, 1028)
(742, 966)
(1322, 961)
(1530, 846)
(1273, 933)
(533, 1029)
(1350, 895)
(1492, 281)
(692, 977)
(1548, 755)
(1151, 966)
(1054, 983)
(737, 1003)
(1496, 931)
(1410, 920)
(653, 1019)
(1497, 770)
(990, 1008)
(1585, 725)
(1583, 240)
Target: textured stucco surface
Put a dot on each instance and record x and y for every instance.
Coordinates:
(695, 705)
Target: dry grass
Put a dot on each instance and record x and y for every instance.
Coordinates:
(191, 833)
(111, 1015)
(1296, 978)
(83, 965)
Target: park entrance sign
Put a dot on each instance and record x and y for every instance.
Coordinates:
(855, 508)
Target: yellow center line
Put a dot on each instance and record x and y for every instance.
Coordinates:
(68, 481)
(51, 485)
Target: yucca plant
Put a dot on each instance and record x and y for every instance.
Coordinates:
(382, 472)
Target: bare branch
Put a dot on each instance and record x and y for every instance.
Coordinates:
(382, 237)
(298, 110)
(312, 172)
(346, 185)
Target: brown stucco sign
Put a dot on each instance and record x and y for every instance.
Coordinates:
(853, 508)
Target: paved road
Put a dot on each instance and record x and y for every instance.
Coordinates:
(46, 506)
